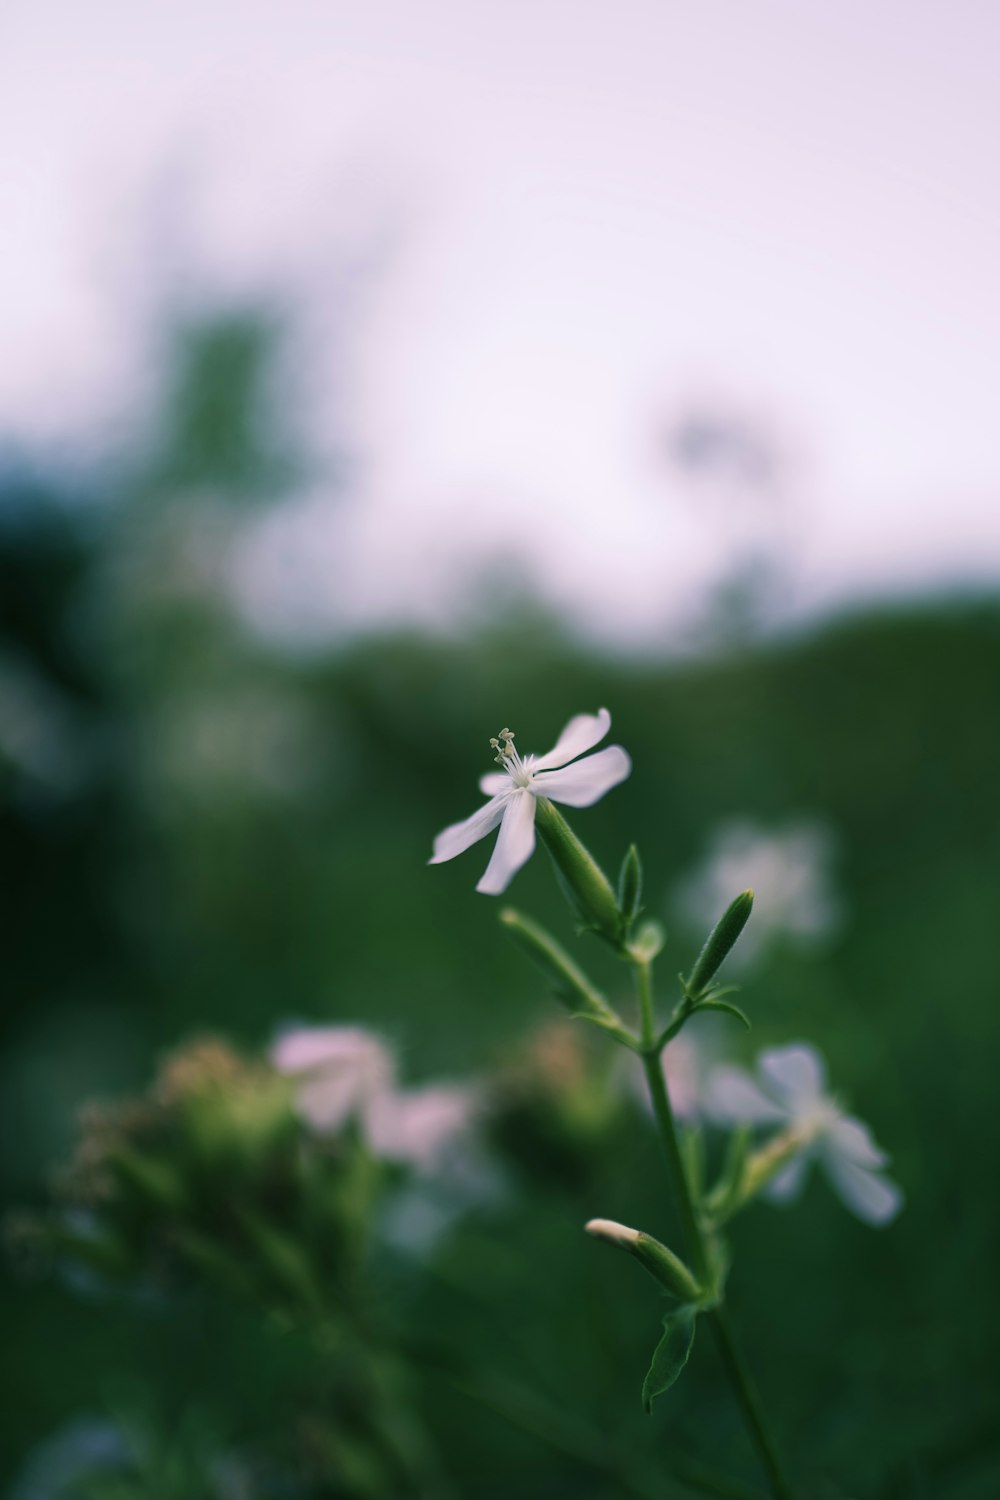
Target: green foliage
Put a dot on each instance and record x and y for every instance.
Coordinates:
(670, 1355)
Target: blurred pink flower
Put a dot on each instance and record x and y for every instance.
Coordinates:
(346, 1072)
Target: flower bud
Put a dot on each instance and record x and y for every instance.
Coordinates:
(662, 1264)
(585, 883)
(571, 985)
(648, 941)
(720, 942)
(630, 885)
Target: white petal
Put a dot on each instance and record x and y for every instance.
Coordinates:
(788, 1183)
(418, 1125)
(513, 846)
(340, 1068)
(852, 1139)
(495, 782)
(732, 1098)
(794, 1075)
(586, 782)
(307, 1049)
(460, 836)
(580, 734)
(682, 1072)
(327, 1103)
(874, 1198)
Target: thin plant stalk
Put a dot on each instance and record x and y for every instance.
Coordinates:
(733, 1360)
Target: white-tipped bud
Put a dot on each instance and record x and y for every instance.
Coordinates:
(608, 1229)
(662, 1264)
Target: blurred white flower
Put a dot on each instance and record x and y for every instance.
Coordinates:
(513, 791)
(346, 1073)
(687, 1064)
(789, 872)
(684, 1066)
(341, 1072)
(682, 1069)
(420, 1126)
(791, 1093)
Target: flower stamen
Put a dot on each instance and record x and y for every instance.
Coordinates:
(506, 755)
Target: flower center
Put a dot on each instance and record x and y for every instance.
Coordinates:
(517, 769)
(818, 1117)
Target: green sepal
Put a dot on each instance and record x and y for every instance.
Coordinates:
(666, 1268)
(719, 944)
(670, 1355)
(630, 886)
(717, 991)
(584, 883)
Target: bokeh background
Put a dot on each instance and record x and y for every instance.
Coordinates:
(377, 375)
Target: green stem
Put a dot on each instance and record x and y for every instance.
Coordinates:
(753, 1412)
(736, 1368)
(581, 1443)
(656, 1083)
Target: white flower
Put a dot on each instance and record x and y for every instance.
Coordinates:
(345, 1073)
(512, 793)
(342, 1071)
(791, 1094)
(421, 1125)
(789, 871)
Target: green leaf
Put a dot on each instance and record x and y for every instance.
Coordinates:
(612, 1025)
(670, 1355)
(732, 1010)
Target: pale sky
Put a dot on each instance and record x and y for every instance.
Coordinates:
(596, 214)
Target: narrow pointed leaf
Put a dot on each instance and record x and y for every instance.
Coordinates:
(670, 1355)
(568, 982)
(732, 1010)
(611, 1025)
